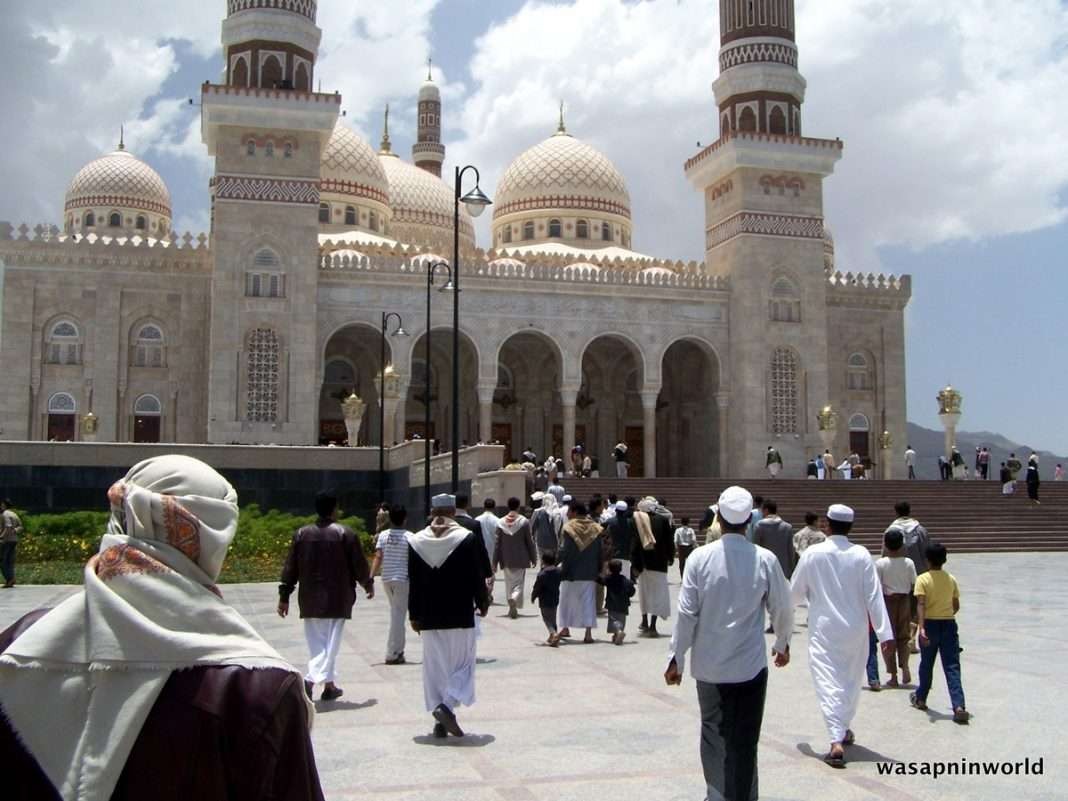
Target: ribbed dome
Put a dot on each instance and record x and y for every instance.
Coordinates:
(119, 180)
(421, 199)
(350, 166)
(429, 92)
(562, 173)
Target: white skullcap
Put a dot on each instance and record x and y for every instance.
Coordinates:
(621, 506)
(568, 499)
(443, 501)
(537, 496)
(840, 513)
(736, 505)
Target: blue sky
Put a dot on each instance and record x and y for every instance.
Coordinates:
(954, 168)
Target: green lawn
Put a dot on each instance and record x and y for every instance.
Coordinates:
(235, 571)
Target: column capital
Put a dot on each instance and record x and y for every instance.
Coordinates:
(650, 398)
(568, 396)
(486, 392)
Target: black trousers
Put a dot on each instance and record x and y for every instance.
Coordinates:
(731, 717)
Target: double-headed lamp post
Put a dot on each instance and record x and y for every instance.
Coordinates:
(400, 332)
(476, 203)
(431, 272)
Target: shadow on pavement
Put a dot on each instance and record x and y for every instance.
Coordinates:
(467, 741)
(322, 707)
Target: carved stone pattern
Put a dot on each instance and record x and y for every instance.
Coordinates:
(784, 392)
(354, 189)
(266, 190)
(306, 8)
(349, 161)
(264, 357)
(750, 52)
(562, 202)
(119, 176)
(748, 222)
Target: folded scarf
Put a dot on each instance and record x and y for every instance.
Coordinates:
(583, 531)
(645, 530)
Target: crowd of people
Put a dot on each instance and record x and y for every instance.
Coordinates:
(149, 650)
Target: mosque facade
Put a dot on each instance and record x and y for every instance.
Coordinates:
(254, 332)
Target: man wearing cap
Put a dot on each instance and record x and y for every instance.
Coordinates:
(727, 586)
(447, 586)
(840, 584)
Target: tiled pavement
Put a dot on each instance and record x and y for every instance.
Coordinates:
(589, 722)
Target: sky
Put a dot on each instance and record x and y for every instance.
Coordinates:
(956, 138)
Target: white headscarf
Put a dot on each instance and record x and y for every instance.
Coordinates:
(78, 684)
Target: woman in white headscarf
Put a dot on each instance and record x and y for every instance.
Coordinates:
(146, 683)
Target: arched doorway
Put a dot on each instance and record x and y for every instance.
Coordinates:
(526, 404)
(351, 362)
(438, 390)
(609, 406)
(148, 417)
(62, 417)
(860, 438)
(687, 418)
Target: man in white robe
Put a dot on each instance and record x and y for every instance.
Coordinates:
(839, 582)
(446, 587)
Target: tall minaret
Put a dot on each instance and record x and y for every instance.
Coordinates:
(266, 131)
(763, 188)
(428, 153)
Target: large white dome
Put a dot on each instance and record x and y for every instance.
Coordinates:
(423, 205)
(350, 166)
(119, 180)
(562, 173)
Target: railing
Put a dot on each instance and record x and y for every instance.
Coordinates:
(755, 136)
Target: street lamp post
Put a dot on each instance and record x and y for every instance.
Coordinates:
(400, 332)
(476, 203)
(431, 272)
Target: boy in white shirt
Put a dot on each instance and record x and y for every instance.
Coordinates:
(391, 558)
(685, 542)
(897, 574)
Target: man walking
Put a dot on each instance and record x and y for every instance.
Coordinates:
(326, 562)
(725, 591)
(488, 521)
(840, 584)
(391, 558)
(514, 552)
(775, 534)
(910, 462)
(773, 462)
(10, 531)
(447, 586)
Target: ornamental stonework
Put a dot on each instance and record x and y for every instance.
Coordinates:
(266, 190)
(760, 224)
(757, 52)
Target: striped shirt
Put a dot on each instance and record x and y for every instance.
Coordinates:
(393, 543)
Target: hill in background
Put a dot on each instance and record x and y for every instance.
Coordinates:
(929, 444)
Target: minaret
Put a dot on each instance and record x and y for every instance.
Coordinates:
(428, 153)
(763, 188)
(266, 131)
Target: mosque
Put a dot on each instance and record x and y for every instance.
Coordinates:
(116, 328)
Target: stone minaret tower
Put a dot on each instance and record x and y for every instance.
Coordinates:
(266, 130)
(763, 188)
(428, 153)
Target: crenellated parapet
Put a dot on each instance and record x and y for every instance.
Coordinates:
(868, 289)
(46, 245)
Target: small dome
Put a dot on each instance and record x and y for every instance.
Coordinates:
(119, 180)
(423, 206)
(562, 173)
(350, 166)
(429, 92)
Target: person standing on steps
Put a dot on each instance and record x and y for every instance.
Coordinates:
(1033, 479)
(773, 462)
(619, 454)
(324, 564)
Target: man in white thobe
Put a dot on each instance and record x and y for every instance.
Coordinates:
(488, 520)
(838, 581)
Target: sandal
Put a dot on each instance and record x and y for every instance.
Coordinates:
(917, 703)
(835, 760)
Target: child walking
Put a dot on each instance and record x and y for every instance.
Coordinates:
(547, 594)
(938, 601)
(897, 574)
(619, 589)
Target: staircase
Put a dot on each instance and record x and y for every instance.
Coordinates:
(968, 516)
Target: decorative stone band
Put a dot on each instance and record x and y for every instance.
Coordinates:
(761, 224)
(306, 8)
(302, 192)
(547, 202)
(119, 201)
(289, 95)
(431, 218)
(429, 148)
(329, 186)
(786, 139)
(747, 52)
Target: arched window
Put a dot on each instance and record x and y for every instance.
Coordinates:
(270, 73)
(777, 121)
(303, 82)
(265, 257)
(250, 147)
(62, 417)
(266, 279)
(269, 150)
(556, 230)
(528, 230)
(860, 437)
(784, 391)
(372, 221)
(324, 213)
(264, 360)
(507, 234)
(141, 223)
(62, 403)
(859, 422)
(350, 215)
(147, 347)
(747, 120)
(785, 303)
(725, 124)
(148, 412)
(63, 343)
(240, 76)
(582, 229)
(858, 372)
(115, 220)
(606, 232)
(90, 220)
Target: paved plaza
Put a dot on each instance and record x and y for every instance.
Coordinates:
(597, 722)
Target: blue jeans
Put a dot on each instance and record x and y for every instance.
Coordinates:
(731, 716)
(942, 641)
(873, 657)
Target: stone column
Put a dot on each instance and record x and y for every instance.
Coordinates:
(723, 402)
(485, 412)
(649, 398)
(568, 397)
(886, 459)
(390, 399)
